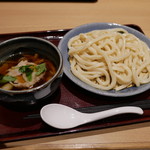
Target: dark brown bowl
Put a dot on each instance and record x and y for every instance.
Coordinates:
(32, 45)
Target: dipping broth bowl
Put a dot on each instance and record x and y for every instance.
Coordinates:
(32, 45)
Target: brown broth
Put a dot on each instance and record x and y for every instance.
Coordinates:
(13, 61)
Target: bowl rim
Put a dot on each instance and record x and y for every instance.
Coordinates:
(44, 84)
(89, 27)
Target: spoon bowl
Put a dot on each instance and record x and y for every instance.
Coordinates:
(64, 117)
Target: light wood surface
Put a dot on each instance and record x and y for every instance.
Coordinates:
(40, 16)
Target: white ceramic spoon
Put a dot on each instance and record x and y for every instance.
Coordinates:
(64, 117)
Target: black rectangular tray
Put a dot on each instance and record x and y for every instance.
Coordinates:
(26, 123)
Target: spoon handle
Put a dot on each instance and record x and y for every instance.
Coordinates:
(112, 112)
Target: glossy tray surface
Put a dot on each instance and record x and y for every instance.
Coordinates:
(26, 122)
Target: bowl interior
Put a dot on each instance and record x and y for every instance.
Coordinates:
(31, 45)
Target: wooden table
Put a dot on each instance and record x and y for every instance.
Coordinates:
(40, 16)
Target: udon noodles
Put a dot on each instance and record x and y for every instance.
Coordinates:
(109, 59)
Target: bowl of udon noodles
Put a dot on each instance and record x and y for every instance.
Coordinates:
(108, 59)
(30, 69)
